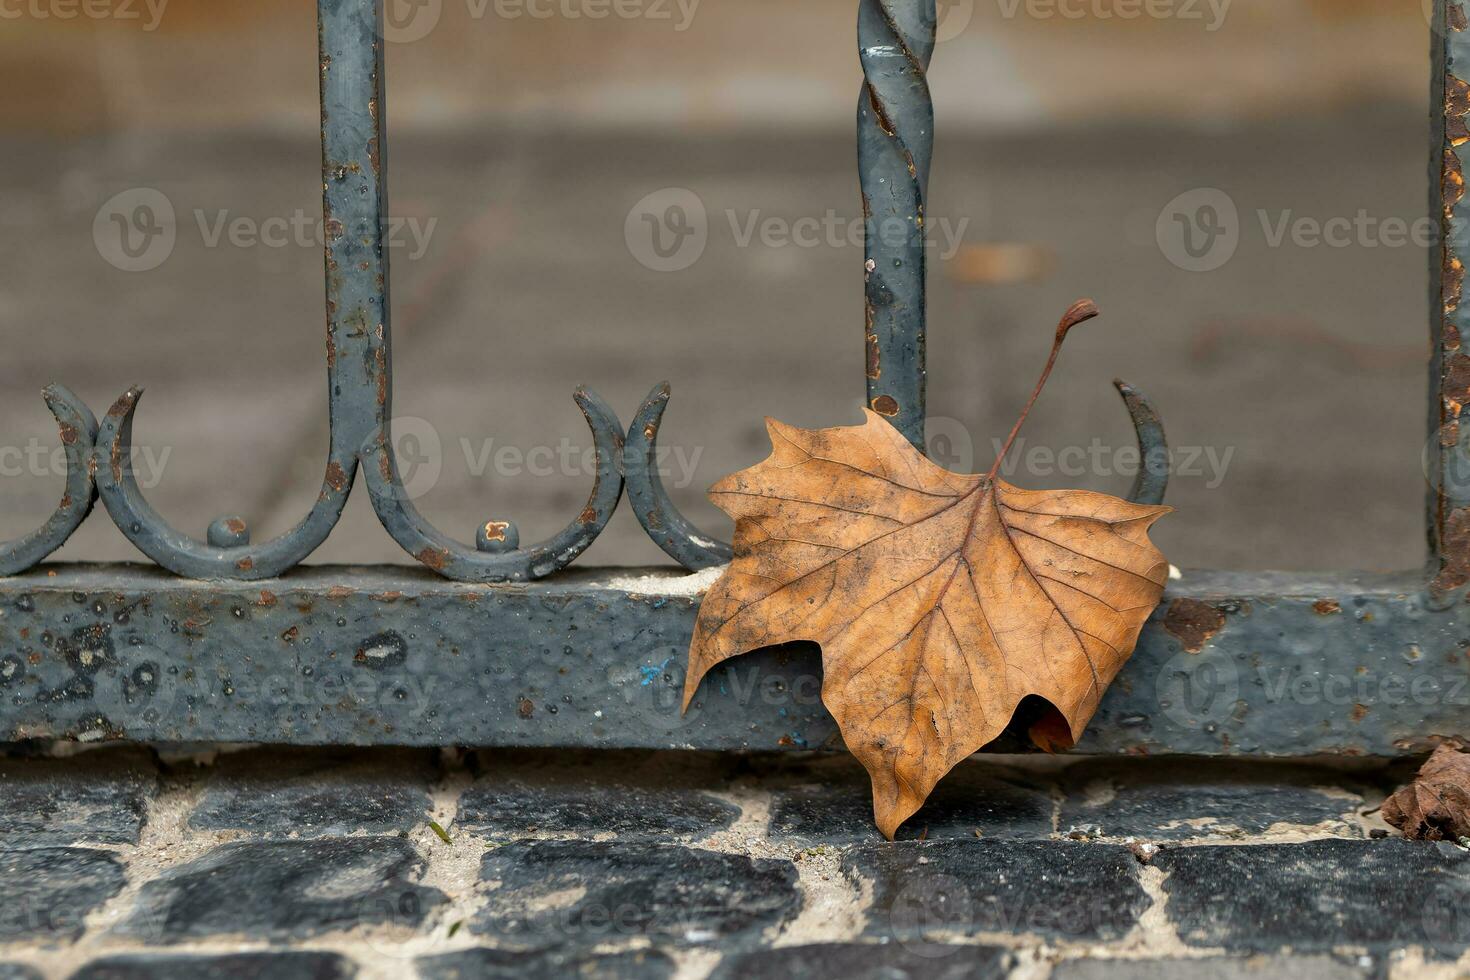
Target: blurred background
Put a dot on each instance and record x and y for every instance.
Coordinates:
(1240, 184)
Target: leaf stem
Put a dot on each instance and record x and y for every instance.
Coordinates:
(1079, 312)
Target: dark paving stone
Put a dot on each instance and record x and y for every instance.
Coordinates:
(97, 797)
(631, 812)
(1320, 894)
(1156, 798)
(1216, 968)
(548, 893)
(633, 795)
(48, 891)
(284, 889)
(855, 961)
(276, 793)
(974, 797)
(233, 966)
(502, 964)
(938, 890)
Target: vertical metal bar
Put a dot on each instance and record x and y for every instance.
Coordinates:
(355, 208)
(1448, 465)
(358, 386)
(895, 127)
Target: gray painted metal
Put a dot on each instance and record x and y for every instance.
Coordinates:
(1229, 664)
(359, 372)
(669, 529)
(696, 549)
(595, 658)
(895, 129)
(78, 427)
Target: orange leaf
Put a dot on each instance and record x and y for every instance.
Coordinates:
(940, 600)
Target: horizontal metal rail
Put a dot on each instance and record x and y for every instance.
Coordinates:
(1231, 664)
(487, 646)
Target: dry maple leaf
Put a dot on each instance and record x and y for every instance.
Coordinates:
(940, 600)
(1436, 805)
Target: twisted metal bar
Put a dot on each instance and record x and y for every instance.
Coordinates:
(78, 434)
(895, 126)
(895, 135)
(353, 200)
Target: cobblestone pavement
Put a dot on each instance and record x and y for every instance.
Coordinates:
(123, 863)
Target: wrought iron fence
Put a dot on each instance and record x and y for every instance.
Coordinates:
(503, 644)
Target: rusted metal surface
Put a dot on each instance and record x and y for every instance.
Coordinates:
(1449, 469)
(596, 658)
(353, 203)
(495, 557)
(1229, 664)
(359, 370)
(895, 127)
(1193, 623)
(78, 429)
(695, 549)
(669, 529)
(895, 132)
